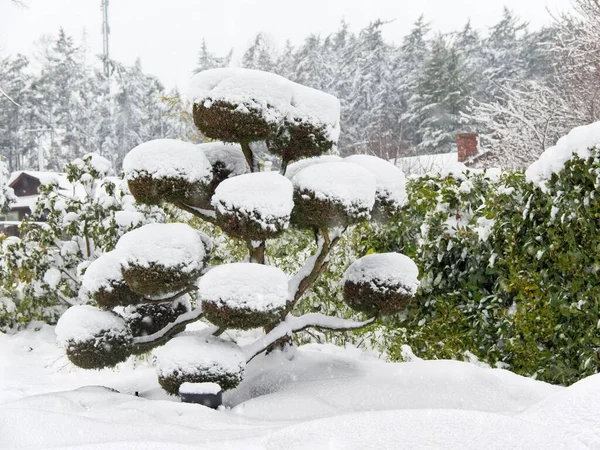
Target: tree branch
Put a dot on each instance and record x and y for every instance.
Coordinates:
(296, 324)
(144, 344)
(190, 288)
(312, 268)
(204, 214)
(4, 94)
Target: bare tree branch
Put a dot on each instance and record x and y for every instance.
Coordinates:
(293, 324)
(144, 344)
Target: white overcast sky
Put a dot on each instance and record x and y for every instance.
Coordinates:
(166, 34)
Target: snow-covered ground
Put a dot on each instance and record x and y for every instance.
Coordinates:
(324, 397)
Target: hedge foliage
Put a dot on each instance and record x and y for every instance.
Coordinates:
(510, 272)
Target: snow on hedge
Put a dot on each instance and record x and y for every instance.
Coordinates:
(387, 271)
(168, 158)
(276, 97)
(267, 197)
(577, 142)
(82, 323)
(340, 182)
(103, 273)
(190, 354)
(229, 154)
(389, 179)
(297, 166)
(167, 244)
(256, 287)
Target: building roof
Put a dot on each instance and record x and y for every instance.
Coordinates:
(44, 177)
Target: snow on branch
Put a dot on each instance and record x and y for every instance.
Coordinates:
(204, 214)
(294, 324)
(313, 266)
(8, 97)
(146, 343)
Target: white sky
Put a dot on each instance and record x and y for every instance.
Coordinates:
(166, 34)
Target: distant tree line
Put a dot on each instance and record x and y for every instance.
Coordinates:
(520, 90)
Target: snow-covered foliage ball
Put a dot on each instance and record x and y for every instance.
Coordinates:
(254, 206)
(243, 105)
(168, 170)
(93, 338)
(243, 295)
(148, 318)
(297, 166)
(103, 283)
(227, 161)
(390, 183)
(333, 194)
(161, 259)
(199, 359)
(381, 283)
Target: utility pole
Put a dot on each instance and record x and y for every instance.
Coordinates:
(105, 33)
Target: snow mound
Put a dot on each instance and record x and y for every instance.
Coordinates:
(297, 166)
(267, 197)
(340, 182)
(577, 142)
(385, 271)
(103, 273)
(168, 158)
(276, 97)
(256, 287)
(199, 388)
(167, 244)
(390, 180)
(82, 323)
(575, 409)
(318, 384)
(230, 155)
(420, 429)
(189, 354)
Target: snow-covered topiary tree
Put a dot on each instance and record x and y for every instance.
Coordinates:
(159, 264)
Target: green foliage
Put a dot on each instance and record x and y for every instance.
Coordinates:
(85, 213)
(509, 271)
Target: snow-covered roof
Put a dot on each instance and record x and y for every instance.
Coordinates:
(44, 177)
(429, 164)
(26, 201)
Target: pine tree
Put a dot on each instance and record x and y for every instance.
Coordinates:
(208, 60)
(260, 55)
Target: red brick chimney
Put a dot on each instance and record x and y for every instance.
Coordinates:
(467, 145)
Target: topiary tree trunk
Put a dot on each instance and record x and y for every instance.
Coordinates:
(154, 267)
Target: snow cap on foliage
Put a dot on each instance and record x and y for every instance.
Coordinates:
(577, 142)
(168, 158)
(174, 245)
(276, 97)
(256, 287)
(267, 195)
(297, 166)
(83, 323)
(389, 179)
(230, 155)
(100, 164)
(385, 272)
(189, 354)
(103, 273)
(340, 182)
